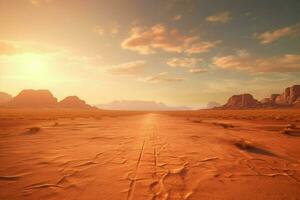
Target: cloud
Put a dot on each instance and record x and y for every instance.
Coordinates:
(9, 48)
(202, 47)
(197, 70)
(222, 17)
(184, 62)
(130, 68)
(91, 61)
(38, 2)
(163, 77)
(98, 30)
(36, 51)
(272, 36)
(113, 30)
(245, 61)
(13, 47)
(146, 40)
(177, 17)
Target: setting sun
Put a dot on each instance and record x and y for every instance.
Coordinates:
(32, 65)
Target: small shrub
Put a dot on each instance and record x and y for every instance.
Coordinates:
(291, 126)
(224, 125)
(197, 121)
(34, 129)
(243, 144)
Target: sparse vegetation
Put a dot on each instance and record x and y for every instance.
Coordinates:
(34, 129)
(291, 126)
(197, 120)
(243, 144)
(224, 125)
(286, 131)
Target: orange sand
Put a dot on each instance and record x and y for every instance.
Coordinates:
(65, 154)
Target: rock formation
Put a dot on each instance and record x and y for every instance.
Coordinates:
(242, 101)
(290, 95)
(273, 97)
(40, 99)
(297, 103)
(289, 98)
(212, 104)
(269, 101)
(266, 101)
(4, 97)
(33, 99)
(73, 102)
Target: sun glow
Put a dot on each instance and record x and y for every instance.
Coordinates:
(31, 66)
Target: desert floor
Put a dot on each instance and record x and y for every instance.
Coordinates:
(164, 155)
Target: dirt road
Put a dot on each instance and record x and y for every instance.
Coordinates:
(148, 156)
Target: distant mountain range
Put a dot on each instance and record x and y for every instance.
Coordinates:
(44, 99)
(139, 106)
(40, 99)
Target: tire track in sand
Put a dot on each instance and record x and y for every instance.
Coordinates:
(133, 181)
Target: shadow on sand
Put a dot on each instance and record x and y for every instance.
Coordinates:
(249, 147)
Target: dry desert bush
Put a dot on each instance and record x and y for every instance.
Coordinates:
(290, 115)
(54, 114)
(34, 129)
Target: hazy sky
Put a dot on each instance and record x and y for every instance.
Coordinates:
(181, 52)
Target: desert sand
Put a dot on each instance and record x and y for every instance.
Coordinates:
(212, 154)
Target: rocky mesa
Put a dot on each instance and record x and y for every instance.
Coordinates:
(33, 99)
(73, 102)
(241, 101)
(289, 98)
(5, 97)
(43, 99)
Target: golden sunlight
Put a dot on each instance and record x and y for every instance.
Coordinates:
(31, 65)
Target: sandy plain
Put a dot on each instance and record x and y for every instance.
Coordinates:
(211, 154)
